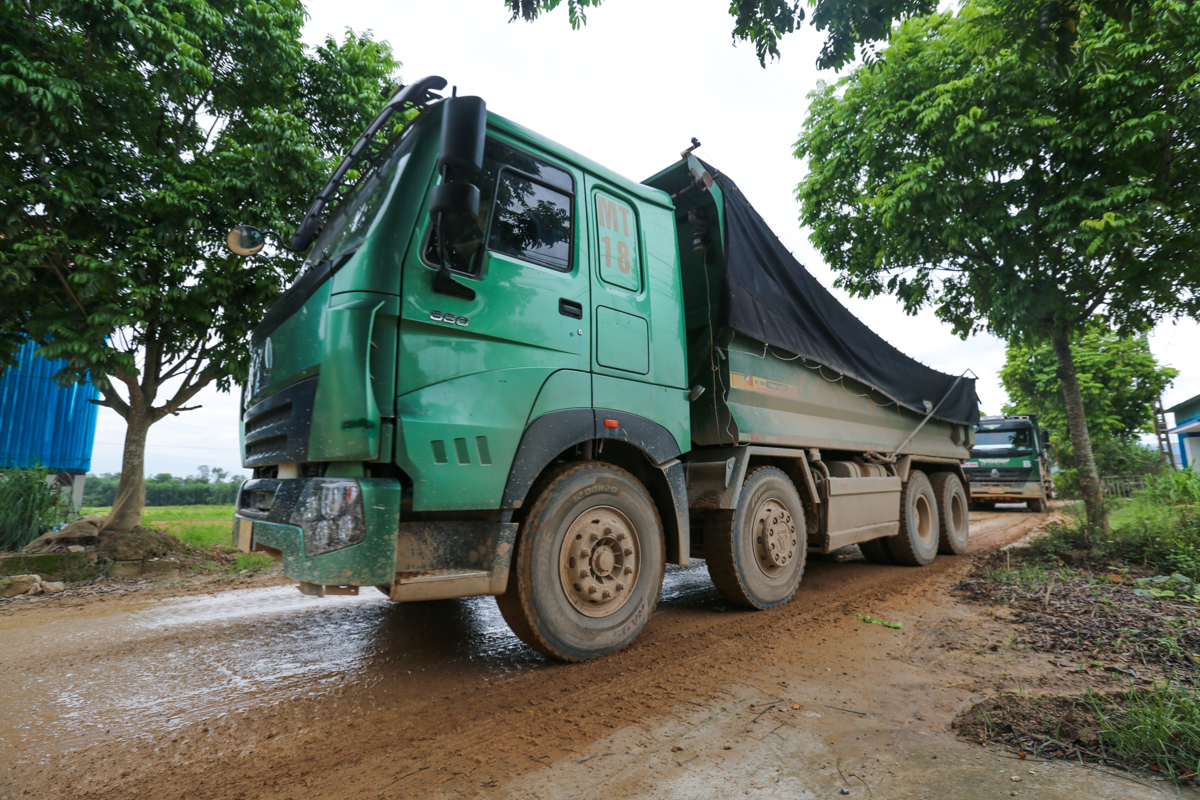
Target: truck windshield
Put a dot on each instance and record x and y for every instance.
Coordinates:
(355, 217)
(1008, 439)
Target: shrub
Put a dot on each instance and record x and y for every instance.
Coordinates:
(29, 506)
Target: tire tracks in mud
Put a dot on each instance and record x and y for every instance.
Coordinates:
(463, 735)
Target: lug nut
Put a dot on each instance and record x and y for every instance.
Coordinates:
(593, 536)
(620, 537)
(628, 551)
(584, 552)
(583, 573)
(607, 594)
(620, 586)
(629, 570)
(591, 589)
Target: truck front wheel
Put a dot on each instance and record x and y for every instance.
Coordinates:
(588, 568)
(756, 553)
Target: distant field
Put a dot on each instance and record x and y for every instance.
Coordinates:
(201, 526)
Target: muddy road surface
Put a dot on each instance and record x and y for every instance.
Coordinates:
(267, 693)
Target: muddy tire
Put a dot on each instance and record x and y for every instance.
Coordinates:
(1036, 504)
(877, 551)
(589, 563)
(917, 542)
(756, 553)
(953, 521)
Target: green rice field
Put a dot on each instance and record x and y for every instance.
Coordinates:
(201, 526)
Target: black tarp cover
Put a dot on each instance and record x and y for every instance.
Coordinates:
(769, 295)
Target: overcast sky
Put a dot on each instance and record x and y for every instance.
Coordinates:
(629, 90)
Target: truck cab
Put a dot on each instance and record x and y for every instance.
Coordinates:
(496, 375)
(1009, 463)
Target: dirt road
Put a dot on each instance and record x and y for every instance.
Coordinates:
(267, 693)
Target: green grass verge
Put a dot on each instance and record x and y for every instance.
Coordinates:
(1156, 729)
(201, 526)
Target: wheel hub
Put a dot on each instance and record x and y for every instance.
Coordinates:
(599, 561)
(775, 541)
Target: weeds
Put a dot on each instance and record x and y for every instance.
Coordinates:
(1156, 728)
(29, 506)
(1028, 576)
(252, 562)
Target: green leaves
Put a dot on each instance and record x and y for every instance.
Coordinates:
(137, 135)
(1009, 199)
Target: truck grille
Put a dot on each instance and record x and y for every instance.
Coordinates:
(276, 429)
(982, 474)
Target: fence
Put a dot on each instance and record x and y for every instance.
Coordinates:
(1122, 486)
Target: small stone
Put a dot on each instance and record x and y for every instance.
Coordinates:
(1017, 778)
(843, 791)
(19, 584)
(728, 747)
(75, 548)
(53, 587)
(676, 749)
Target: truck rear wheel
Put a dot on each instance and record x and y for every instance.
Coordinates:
(589, 564)
(1036, 504)
(952, 513)
(756, 554)
(917, 542)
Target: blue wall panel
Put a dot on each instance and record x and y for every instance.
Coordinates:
(40, 421)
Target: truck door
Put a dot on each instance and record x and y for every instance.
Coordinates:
(621, 350)
(470, 371)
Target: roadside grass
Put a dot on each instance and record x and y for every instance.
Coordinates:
(1156, 729)
(199, 526)
(1127, 605)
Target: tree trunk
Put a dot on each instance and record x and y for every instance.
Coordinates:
(1081, 440)
(131, 491)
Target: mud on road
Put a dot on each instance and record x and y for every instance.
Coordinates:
(266, 693)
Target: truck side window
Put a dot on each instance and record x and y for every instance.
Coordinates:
(532, 222)
(617, 234)
(525, 213)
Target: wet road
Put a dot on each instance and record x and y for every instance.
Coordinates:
(97, 692)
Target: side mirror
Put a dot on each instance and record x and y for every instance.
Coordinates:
(464, 125)
(245, 240)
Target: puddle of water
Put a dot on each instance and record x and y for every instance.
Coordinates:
(152, 668)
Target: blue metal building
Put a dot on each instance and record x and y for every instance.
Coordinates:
(1187, 428)
(44, 423)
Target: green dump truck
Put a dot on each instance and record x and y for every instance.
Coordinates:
(1009, 463)
(506, 370)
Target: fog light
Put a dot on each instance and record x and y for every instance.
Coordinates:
(330, 512)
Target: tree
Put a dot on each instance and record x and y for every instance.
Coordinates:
(763, 22)
(136, 135)
(1049, 28)
(1119, 380)
(1012, 201)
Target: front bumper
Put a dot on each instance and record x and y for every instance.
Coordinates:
(1002, 492)
(371, 562)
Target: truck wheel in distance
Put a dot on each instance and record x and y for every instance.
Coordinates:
(1036, 504)
(877, 551)
(952, 513)
(917, 542)
(756, 554)
(589, 564)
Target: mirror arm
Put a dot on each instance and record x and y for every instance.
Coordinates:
(443, 281)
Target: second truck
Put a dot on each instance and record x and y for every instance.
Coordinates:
(1009, 463)
(507, 370)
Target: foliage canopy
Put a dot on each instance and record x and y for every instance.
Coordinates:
(975, 180)
(1119, 379)
(138, 134)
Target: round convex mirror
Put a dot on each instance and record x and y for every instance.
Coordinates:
(245, 240)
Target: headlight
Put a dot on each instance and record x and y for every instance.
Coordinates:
(330, 512)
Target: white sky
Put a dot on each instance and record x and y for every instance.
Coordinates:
(628, 90)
